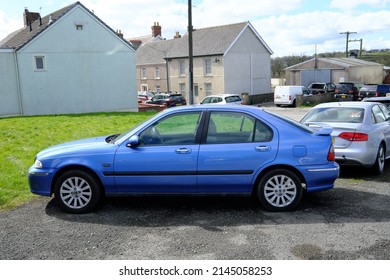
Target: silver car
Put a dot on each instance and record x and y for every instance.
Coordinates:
(361, 131)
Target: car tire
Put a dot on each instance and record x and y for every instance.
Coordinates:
(379, 165)
(279, 190)
(77, 191)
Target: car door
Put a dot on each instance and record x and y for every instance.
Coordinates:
(384, 123)
(235, 146)
(165, 160)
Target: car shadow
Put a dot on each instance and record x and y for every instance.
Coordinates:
(337, 206)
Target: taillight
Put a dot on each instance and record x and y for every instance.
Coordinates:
(331, 153)
(354, 136)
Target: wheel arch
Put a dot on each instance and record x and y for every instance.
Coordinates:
(80, 168)
(278, 166)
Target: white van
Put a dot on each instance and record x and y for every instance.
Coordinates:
(286, 95)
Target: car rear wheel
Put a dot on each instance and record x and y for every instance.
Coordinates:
(379, 165)
(77, 191)
(279, 190)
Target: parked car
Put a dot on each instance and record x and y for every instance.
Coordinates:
(144, 96)
(382, 90)
(361, 131)
(168, 99)
(383, 100)
(367, 90)
(286, 95)
(192, 150)
(316, 88)
(222, 99)
(346, 91)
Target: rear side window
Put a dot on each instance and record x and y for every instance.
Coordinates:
(228, 127)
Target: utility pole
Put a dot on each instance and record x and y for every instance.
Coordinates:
(361, 46)
(190, 54)
(347, 40)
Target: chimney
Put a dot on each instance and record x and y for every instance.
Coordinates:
(30, 17)
(156, 30)
(120, 34)
(177, 35)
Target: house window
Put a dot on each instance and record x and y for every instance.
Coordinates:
(182, 69)
(144, 87)
(40, 62)
(182, 88)
(207, 66)
(157, 73)
(79, 27)
(208, 89)
(158, 89)
(143, 73)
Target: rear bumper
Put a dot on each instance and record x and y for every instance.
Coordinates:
(320, 178)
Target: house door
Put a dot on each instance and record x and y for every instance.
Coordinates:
(196, 94)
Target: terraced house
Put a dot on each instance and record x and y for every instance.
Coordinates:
(69, 61)
(227, 59)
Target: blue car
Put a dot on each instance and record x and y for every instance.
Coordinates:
(192, 150)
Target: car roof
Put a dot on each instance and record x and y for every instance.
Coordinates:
(376, 98)
(222, 95)
(243, 108)
(346, 104)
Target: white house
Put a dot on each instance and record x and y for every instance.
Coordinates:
(66, 62)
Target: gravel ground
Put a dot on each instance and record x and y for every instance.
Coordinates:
(351, 221)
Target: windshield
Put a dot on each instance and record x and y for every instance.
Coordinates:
(124, 135)
(345, 115)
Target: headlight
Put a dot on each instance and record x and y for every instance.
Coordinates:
(38, 164)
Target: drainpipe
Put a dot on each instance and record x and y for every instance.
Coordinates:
(19, 93)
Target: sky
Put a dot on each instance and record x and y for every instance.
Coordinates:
(289, 27)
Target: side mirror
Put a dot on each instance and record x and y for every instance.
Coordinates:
(133, 141)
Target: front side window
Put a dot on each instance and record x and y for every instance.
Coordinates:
(40, 63)
(230, 127)
(179, 129)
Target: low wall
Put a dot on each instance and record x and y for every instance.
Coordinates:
(257, 98)
(315, 99)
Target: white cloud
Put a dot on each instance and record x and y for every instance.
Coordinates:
(281, 24)
(352, 4)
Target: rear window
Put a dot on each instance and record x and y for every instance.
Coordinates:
(293, 122)
(345, 115)
(317, 86)
(234, 98)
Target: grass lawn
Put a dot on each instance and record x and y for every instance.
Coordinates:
(22, 138)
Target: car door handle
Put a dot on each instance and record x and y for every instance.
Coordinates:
(183, 151)
(263, 148)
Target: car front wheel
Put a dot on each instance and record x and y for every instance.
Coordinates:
(279, 190)
(77, 191)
